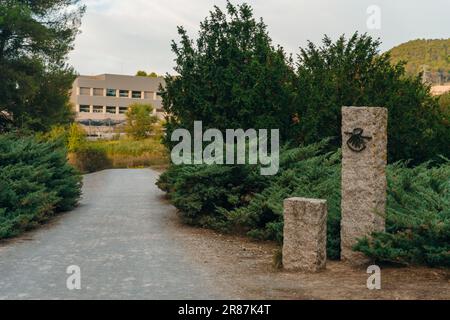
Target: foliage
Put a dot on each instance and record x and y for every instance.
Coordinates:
(35, 38)
(352, 73)
(237, 199)
(35, 183)
(128, 153)
(444, 103)
(421, 53)
(88, 158)
(231, 77)
(142, 73)
(76, 137)
(140, 121)
(418, 217)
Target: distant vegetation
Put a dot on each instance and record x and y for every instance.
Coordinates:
(142, 73)
(432, 56)
(121, 152)
(140, 121)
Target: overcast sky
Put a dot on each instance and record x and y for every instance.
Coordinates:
(123, 36)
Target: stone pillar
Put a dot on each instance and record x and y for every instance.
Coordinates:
(364, 159)
(305, 234)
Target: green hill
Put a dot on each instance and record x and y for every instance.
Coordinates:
(431, 55)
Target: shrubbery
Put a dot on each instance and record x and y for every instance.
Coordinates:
(35, 183)
(238, 199)
(88, 158)
(418, 217)
(91, 156)
(233, 77)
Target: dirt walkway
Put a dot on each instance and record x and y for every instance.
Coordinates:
(245, 268)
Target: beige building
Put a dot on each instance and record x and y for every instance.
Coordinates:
(101, 101)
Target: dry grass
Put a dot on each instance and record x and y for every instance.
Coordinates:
(125, 153)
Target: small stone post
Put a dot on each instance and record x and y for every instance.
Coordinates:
(364, 159)
(305, 234)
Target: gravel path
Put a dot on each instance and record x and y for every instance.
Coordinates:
(120, 237)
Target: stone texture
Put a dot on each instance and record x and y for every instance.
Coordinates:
(363, 179)
(305, 234)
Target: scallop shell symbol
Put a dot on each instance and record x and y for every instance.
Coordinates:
(357, 141)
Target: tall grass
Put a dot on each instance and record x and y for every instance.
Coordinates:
(129, 153)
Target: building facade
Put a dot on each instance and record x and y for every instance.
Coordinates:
(101, 101)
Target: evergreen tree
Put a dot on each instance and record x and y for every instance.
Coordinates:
(35, 38)
(231, 77)
(353, 73)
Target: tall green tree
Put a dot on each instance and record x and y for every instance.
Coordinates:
(352, 72)
(230, 77)
(35, 80)
(140, 120)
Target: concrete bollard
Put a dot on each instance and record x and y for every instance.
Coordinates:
(305, 234)
(364, 159)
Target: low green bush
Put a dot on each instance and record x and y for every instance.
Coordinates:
(418, 217)
(35, 183)
(238, 199)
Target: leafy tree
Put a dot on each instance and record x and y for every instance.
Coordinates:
(141, 73)
(76, 137)
(353, 73)
(35, 38)
(231, 77)
(140, 120)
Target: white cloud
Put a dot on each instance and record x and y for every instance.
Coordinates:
(124, 36)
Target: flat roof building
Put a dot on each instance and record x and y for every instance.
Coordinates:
(103, 100)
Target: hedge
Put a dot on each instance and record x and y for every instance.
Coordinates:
(35, 183)
(238, 199)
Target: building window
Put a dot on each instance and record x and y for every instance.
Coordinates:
(98, 91)
(110, 109)
(148, 95)
(124, 93)
(136, 94)
(85, 91)
(98, 109)
(158, 96)
(123, 110)
(111, 92)
(85, 108)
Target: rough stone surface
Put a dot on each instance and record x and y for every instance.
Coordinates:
(305, 234)
(363, 179)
